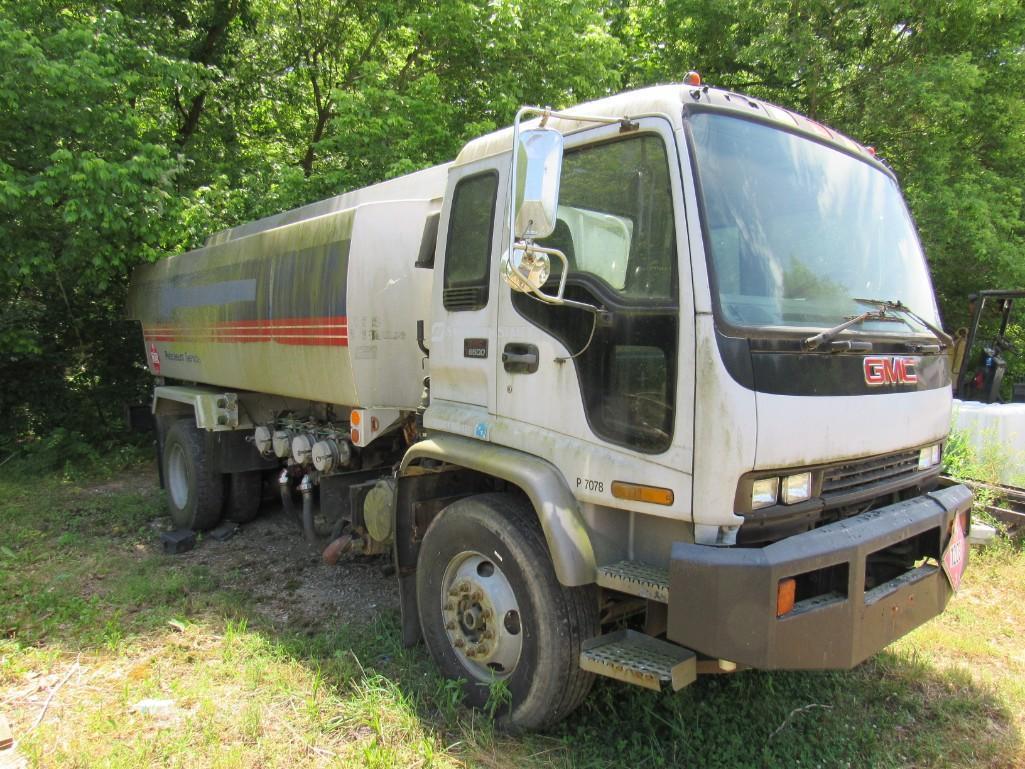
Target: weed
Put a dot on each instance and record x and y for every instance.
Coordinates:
(963, 461)
(448, 696)
(76, 580)
(499, 697)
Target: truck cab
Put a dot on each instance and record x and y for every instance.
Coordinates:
(764, 499)
(684, 407)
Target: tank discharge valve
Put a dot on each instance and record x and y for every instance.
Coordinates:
(282, 443)
(329, 455)
(302, 448)
(263, 439)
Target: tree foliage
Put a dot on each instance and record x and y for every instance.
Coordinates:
(130, 129)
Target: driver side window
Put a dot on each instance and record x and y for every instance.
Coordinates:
(615, 216)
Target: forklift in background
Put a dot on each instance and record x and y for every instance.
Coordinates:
(980, 376)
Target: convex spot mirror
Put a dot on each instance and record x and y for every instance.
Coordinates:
(526, 270)
(538, 168)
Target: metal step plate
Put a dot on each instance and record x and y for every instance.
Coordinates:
(636, 578)
(635, 658)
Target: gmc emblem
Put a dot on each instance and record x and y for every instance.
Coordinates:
(895, 369)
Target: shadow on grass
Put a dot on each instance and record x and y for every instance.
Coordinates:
(80, 575)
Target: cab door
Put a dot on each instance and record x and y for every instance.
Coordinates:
(571, 381)
(462, 335)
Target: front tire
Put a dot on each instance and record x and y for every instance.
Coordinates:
(491, 609)
(195, 492)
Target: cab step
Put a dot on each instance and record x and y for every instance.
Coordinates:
(635, 658)
(636, 578)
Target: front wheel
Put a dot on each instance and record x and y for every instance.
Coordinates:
(494, 614)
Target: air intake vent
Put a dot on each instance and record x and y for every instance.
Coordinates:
(470, 298)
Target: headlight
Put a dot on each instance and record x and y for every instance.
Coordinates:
(796, 488)
(763, 492)
(929, 457)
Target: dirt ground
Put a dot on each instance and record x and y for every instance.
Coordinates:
(288, 580)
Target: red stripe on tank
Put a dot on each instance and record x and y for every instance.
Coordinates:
(331, 330)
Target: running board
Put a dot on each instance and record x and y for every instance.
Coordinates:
(636, 578)
(635, 658)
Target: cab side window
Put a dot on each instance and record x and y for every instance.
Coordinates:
(468, 246)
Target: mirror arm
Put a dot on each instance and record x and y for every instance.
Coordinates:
(558, 299)
(530, 246)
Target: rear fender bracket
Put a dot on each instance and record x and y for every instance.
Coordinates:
(213, 409)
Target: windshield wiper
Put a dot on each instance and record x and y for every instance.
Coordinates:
(942, 337)
(816, 341)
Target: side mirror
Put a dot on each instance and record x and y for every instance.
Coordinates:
(538, 169)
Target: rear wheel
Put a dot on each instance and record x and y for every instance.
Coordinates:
(195, 492)
(242, 496)
(494, 614)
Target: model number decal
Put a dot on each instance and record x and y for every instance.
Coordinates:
(588, 485)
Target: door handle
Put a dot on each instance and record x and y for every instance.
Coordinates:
(518, 358)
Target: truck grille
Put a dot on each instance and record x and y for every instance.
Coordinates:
(863, 473)
(848, 489)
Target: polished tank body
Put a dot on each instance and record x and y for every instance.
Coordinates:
(319, 303)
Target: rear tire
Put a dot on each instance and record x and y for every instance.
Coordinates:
(195, 492)
(491, 608)
(242, 496)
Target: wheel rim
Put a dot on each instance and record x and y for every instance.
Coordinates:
(481, 616)
(178, 476)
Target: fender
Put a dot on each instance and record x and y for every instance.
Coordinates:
(214, 409)
(223, 421)
(556, 507)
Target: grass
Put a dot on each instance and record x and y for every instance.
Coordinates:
(92, 615)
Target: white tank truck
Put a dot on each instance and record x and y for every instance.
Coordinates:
(670, 399)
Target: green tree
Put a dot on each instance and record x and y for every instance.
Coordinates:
(937, 86)
(86, 180)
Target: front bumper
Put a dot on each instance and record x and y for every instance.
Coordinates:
(722, 601)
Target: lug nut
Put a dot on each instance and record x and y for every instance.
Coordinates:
(464, 588)
(488, 634)
(476, 595)
(486, 614)
(450, 625)
(459, 643)
(471, 652)
(450, 606)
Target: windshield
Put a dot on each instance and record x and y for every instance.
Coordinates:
(798, 230)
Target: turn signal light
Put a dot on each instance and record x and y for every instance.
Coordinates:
(786, 592)
(355, 417)
(354, 436)
(635, 492)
